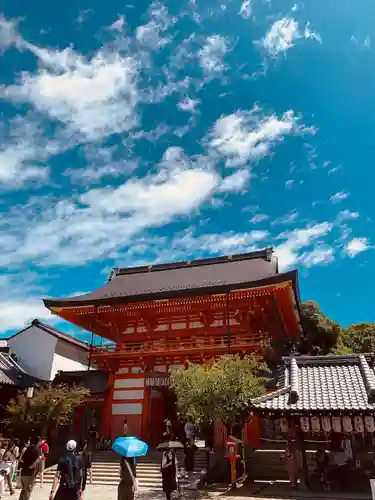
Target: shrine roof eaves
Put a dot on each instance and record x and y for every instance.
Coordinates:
(127, 289)
(323, 383)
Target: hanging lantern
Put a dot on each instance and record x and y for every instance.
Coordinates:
(315, 424)
(284, 427)
(369, 423)
(347, 425)
(358, 424)
(336, 424)
(326, 424)
(305, 424)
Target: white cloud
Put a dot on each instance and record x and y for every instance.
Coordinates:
(119, 24)
(151, 34)
(8, 33)
(320, 255)
(188, 105)
(103, 220)
(356, 246)
(236, 182)
(258, 218)
(289, 252)
(346, 215)
(17, 313)
(283, 34)
(247, 135)
(23, 152)
(289, 184)
(93, 97)
(339, 196)
(246, 9)
(286, 219)
(222, 243)
(212, 54)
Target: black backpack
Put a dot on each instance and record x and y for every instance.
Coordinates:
(71, 477)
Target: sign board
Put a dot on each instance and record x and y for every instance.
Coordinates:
(158, 380)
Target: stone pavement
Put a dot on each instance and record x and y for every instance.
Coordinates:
(101, 492)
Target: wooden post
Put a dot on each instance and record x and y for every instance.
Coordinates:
(301, 445)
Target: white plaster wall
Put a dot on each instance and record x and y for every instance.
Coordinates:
(131, 383)
(35, 350)
(127, 409)
(129, 394)
(61, 363)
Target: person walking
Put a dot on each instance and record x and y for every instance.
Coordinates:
(29, 469)
(44, 450)
(86, 465)
(128, 482)
(10, 457)
(126, 427)
(169, 472)
(68, 475)
(291, 462)
(190, 449)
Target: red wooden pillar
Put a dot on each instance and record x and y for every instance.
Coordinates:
(252, 431)
(107, 408)
(146, 413)
(78, 421)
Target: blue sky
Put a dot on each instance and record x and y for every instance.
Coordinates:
(150, 132)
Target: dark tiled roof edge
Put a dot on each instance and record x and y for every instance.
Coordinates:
(266, 254)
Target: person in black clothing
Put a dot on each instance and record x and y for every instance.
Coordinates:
(69, 473)
(86, 464)
(169, 472)
(29, 469)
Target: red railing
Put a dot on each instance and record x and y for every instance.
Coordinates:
(165, 347)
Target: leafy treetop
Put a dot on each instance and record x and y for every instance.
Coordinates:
(221, 390)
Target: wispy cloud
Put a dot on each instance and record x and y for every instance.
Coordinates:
(356, 246)
(250, 135)
(339, 196)
(283, 34)
(212, 54)
(258, 218)
(289, 252)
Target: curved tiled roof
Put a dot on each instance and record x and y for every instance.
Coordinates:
(329, 383)
(181, 279)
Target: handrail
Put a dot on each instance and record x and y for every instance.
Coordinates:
(192, 344)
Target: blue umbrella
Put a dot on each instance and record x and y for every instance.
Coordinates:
(129, 447)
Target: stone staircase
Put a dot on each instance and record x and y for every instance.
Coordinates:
(105, 469)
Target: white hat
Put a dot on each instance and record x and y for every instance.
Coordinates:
(71, 445)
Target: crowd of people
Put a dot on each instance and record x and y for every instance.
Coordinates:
(21, 466)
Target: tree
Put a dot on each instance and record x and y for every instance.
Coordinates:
(359, 338)
(321, 334)
(221, 390)
(50, 407)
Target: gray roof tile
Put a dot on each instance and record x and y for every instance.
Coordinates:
(328, 383)
(12, 374)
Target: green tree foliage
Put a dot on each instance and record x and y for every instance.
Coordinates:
(50, 407)
(359, 338)
(321, 334)
(222, 389)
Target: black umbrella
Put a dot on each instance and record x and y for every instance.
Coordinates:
(170, 445)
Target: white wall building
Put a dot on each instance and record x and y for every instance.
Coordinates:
(42, 351)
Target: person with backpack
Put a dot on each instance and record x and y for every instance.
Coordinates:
(68, 475)
(44, 450)
(29, 469)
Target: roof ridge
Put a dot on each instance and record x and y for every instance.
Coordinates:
(271, 395)
(264, 253)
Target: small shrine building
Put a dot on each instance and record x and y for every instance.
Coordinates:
(160, 316)
(324, 400)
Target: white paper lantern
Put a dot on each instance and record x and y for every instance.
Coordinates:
(347, 425)
(315, 424)
(369, 423)
(358, 424)
(284, 427)
(326, 424)
(305, 424)
(336, 424)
